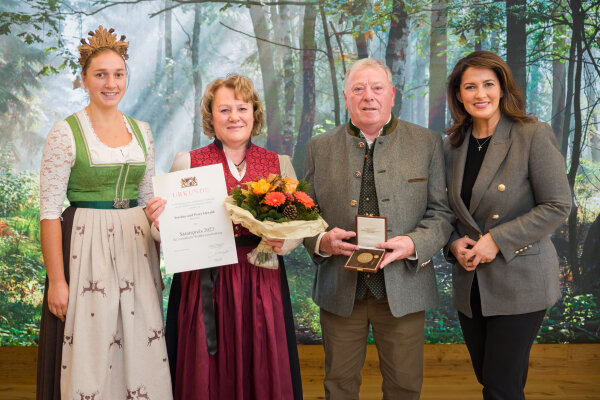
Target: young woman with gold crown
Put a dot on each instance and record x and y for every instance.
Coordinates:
(102, 333)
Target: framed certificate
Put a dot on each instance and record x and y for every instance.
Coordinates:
(195, 229)
(370, 231)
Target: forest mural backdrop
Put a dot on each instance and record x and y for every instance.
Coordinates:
(296, 52)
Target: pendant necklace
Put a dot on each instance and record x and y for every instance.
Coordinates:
(240, 163)
(480, 144)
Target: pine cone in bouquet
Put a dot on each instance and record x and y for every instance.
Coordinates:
(290, 212)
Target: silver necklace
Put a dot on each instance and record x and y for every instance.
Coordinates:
(480, 144)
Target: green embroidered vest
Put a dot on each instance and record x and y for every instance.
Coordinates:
(103, 185)
(368, 205)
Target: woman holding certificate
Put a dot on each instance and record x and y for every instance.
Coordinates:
(102, 330)
(507, 186)
(230, 330)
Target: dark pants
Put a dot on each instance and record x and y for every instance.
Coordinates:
(499, 346)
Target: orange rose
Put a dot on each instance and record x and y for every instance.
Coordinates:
(261, 187)
(304, 199)
(290, 184)
(275, 199)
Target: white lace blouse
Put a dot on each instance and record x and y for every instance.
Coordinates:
(58, 157)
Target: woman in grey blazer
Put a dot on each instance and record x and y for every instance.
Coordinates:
(507, 186)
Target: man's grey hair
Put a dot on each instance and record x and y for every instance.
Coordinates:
(364, 63)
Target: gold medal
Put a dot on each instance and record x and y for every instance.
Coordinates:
(376, 256)
(364, 258)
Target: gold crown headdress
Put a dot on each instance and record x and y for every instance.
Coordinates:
(102, 39)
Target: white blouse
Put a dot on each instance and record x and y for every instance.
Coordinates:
(58, 157)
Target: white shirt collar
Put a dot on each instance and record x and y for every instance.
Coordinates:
(370, 142)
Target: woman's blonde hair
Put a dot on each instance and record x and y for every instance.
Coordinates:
(243, 89)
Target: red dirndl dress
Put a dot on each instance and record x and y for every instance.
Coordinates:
(250, 327)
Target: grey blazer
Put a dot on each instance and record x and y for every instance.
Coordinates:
(520, 197)
(409, 179)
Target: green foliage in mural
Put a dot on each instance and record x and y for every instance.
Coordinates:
(38, 23)
(441, 323)
(300, 274)
(574, 320)
(21, 267)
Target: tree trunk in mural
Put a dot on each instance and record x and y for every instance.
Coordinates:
(578, 32)
(308, 88)
(334, 84)
(559, 75)
(566, 130)
(516, 42)
(421, 66)
(275, 138)
(362, 48)
(590, 262)
(437, 67)
(289, 85)
(595, 141)
(478, 39)
(169, 51)
(395, 52)
(145, 106)
(591, 123)
(197, 78)
(160, 60)
(343, 56)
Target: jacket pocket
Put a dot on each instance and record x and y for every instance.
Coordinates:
(412, 180)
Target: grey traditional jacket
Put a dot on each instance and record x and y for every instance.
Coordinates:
(520, 197)
(409, 179)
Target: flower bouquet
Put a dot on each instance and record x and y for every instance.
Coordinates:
(275, 208)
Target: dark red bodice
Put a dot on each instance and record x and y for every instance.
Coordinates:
(259, 163)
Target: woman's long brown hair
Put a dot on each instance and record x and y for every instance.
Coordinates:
(511, 103)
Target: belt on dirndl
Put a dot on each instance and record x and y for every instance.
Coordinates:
(106, 205)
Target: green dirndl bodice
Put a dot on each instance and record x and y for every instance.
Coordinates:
(103, 185)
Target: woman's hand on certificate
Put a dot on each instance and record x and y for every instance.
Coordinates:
(154, 207)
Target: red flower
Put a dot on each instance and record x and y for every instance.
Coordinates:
(304, 199)
(275, 199)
